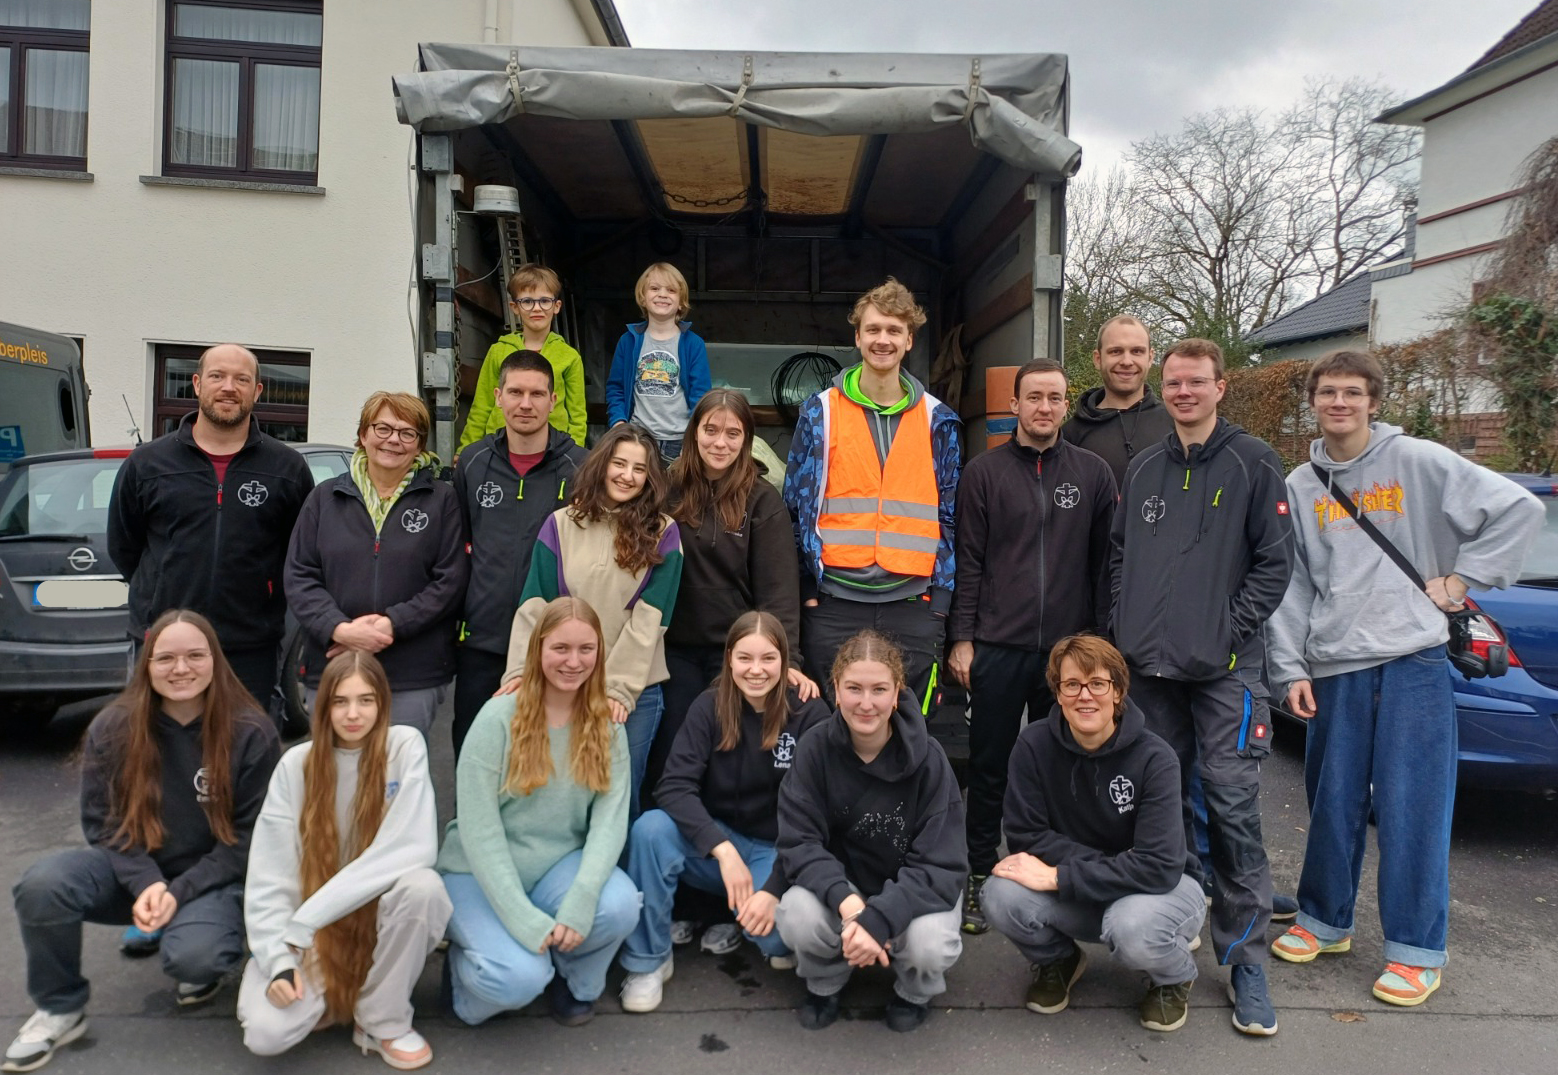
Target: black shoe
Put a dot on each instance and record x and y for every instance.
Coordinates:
(904, 1016)
(189, 994)
(816, 1012)
(1284, 908)
(973, 914)
(567, 1009)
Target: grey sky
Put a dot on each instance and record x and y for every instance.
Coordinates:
(1137, 66)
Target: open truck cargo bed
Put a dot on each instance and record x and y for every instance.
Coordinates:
(782, 185)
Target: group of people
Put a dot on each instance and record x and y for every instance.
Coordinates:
(674, 674)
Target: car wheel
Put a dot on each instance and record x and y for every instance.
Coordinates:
(294, 714)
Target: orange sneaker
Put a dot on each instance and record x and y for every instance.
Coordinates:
(1298, 945)
(1407, 986)
(405, 1053)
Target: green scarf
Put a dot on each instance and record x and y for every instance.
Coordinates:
(379, 507)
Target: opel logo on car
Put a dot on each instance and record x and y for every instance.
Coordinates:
(82, 559)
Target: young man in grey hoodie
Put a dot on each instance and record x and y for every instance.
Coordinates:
(1360, 651)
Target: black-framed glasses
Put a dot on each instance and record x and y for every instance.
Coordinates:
(1097, 687)
(385, 431)
(531, 302)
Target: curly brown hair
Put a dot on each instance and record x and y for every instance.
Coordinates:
(636, 525)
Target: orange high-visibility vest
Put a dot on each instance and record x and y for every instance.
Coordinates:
(873, 514)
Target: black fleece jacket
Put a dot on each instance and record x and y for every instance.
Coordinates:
(502, 513)
(728, 572)
(1032, 546)
(893, 829)
(1202, 553)
(1109, 821)
(183, 541)
(704, 787)
(1116, 436)
(191, 860)
(413, 571)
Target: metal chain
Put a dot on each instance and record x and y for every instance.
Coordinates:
(704, 203)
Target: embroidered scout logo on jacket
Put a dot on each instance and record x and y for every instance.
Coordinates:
(415, 520)
(1067, 496)
(1123, 793)
(784, 750)
(489, 494)
(1153, 509)
(252, 493)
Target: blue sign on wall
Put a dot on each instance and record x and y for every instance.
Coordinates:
(11, 446)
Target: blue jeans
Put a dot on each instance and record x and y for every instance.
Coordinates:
(659, 855)
(670, 449)
(642, 724)
(491, 972)
(1390, 728)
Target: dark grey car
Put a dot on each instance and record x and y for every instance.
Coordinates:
(64, 626)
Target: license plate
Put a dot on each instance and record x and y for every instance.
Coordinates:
(81, 593)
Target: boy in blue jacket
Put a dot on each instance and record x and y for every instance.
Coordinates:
(660, 369)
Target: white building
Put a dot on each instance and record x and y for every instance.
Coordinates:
(177, 174)
(1478, 130)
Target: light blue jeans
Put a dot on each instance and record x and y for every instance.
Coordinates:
(491, 972)
(659, 855)
(1382, 738)
(641, 726)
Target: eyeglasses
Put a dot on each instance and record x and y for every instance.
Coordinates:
(385, 431)
(544, 302)
(1070, 688)
(165, 662)
(1331, 395)
(1195, 384)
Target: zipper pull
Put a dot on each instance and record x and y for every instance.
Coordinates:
(1187, 478)
(375, 546)
(218, 494)
(521, 494)
(560, 487)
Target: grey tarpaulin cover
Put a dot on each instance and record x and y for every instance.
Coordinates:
(1013, 106)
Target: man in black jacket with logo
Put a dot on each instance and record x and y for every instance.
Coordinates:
(1097, 845)
(506, 484)
(1203, 549)
(1033, 522)
(200, 519)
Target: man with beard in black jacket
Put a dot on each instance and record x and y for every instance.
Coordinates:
(1202, 552)
(507, 484)
(1033, 521)
(1097, 845)
(199, 519)
(1121, 418)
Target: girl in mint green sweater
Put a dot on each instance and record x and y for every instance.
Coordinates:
(530, 860)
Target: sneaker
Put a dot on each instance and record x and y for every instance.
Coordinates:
(974, 915)
(784, 962)
(189, 994)
(641, 990)
(721, 938)
(404, 1053)
(138, 944)
(1284, 908)
(1252, 1010)
(1052, 982)
(1165, 1007)
(683, 931)
(904, 1015)
(1403, 985)
(566, 1008)
(40, 1036)
(1298, 945)
(816, 1012)
(1195, 943)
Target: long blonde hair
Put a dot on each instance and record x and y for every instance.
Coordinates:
(343, 950)
(589, 726)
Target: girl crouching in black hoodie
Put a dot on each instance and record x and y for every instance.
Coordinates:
(871, 839)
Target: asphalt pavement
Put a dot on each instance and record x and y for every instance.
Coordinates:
(1497, 1010)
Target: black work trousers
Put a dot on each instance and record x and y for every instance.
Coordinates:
(1003, 681)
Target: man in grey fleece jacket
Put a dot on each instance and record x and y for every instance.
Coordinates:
(1360, 652)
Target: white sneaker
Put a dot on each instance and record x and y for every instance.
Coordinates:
(721, 938)
(782, 962)
(682, 932)
(404, 1053)
(40, 1036)
(641, 991)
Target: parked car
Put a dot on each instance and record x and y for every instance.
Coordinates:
(1508, 725)
(64, 624)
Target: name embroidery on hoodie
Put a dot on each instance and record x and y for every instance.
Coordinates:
(202, 785)
(784, 750)
(1123, 794)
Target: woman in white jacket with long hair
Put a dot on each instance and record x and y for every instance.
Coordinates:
(342, 905)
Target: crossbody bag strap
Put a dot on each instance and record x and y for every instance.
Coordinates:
(1385, 544)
